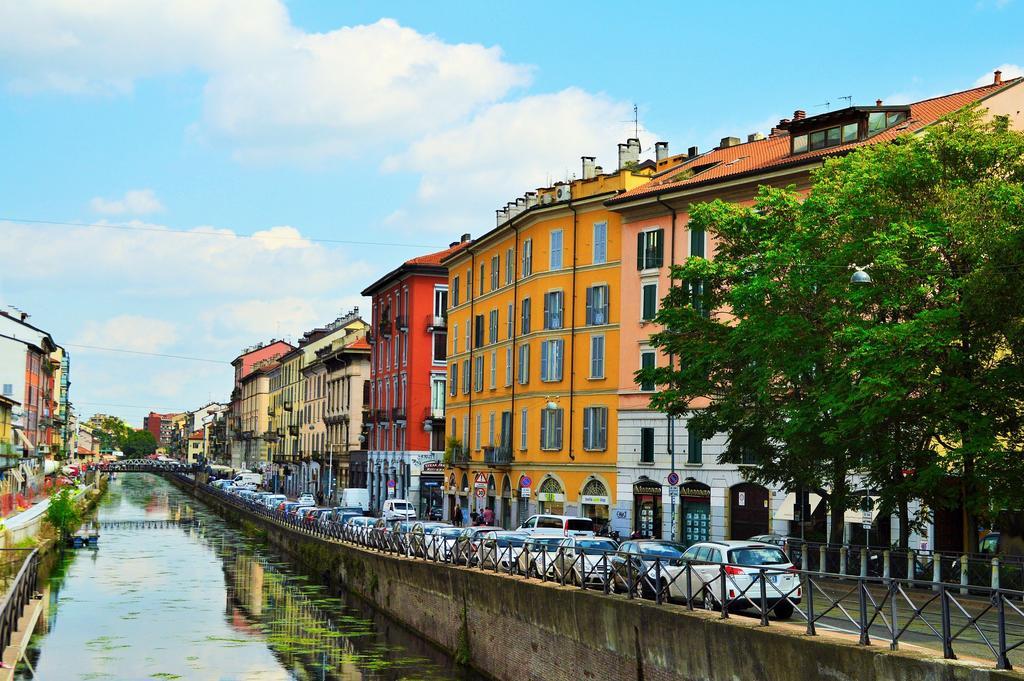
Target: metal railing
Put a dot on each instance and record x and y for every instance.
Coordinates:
(19, 593)
(982, 623)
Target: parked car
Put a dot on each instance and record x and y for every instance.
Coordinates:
(398, 509)
(422, 535)
(441, 546)
(538, 555)
(742, 563)
(468, 543)
(356, 497)
(248, 480)
(777, 539)
(360, 526)
(585, 559)
(436, 513)
(307, 499)
(564, 525)
(500, 549)
(274, 500)
(649, 564)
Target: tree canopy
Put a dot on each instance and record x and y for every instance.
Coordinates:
(911, 383)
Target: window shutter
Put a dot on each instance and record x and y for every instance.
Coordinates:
(547, 310)
(649, 302)
(590, 305)
(558, 359)
(602, 438)
(659, 244)
(587, 431)
(640, 251)
(544, 360)
(558, 429)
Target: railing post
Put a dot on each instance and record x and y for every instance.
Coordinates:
(886, 564)
(688, 572)
(936, 571)
(995, 573)
(842, 560)
(764, 597)
(964, 574)
(911, 566)
(809, 590)
(822, 557)
(862, 619)
(947, 636)
(864, 562)
(723, 601)
(657, 581)
(804, 557)
(1002, 660)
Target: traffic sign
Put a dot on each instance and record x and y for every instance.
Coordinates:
(673, 492)
(481, 480)
(673, 478)
(524, 492)
(391, 484)
(481, 492)
(525, 481)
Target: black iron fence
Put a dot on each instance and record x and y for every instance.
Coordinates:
(20, 590)
(980, 622)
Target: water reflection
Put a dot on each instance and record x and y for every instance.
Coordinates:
(198, 600)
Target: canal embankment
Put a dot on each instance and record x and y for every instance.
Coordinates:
(510, 628)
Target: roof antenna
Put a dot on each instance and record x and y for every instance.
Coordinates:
(848, 98)
(827, 105)
(635, 121)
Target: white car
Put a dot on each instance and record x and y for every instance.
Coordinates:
(441, 544)
(564, 525)
(743, 563)
(360, 526)
(585, 559)
(307, 499)
(271, 501)
(397, 509)
(501, 549)
(538, 555)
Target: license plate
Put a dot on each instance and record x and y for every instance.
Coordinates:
(775, 578)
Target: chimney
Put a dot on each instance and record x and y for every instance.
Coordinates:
(501, 215)
(464, 238)
(660, 151)
(629, 152)
(754, 137)
(799, 115)
(729, 142)
(588, 167)
(997, 77)
(511, 209)
(520, 205)
(692, 152)
(531, 199)
(878, 102)
(598, 170)
(456, 243)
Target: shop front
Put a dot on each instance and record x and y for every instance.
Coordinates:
(647, 508)
(695, 502)
(505, 515)
(551, 497)
(748, 506)
(596, 502)
(431, 487)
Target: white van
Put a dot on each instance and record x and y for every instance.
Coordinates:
(397, 509)
(564, 525)
(248, 480)
(355, 497)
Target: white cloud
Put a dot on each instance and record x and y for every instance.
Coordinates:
(508, 149)
(129, 332)
(272, 89)
(134, 202)
(1009, 71)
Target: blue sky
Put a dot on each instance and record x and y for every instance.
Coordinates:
(308, 121)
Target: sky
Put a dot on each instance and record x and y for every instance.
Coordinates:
(189, 178)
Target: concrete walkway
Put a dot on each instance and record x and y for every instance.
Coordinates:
(14, 653)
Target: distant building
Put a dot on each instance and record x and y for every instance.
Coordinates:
(161, 426)
(247, 441)
(27, 376)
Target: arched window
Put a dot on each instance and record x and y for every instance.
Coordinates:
(595, 488)
(550, 485)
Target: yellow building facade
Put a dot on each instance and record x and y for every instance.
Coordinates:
(533, 355)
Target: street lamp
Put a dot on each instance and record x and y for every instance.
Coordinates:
(860, 274)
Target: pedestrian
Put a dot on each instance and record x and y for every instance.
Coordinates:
(472, 517)
(457, 518)
(488, 516)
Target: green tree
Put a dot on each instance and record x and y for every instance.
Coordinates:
(910, 380)
(113, 433)
(139, 444)
(63, 514)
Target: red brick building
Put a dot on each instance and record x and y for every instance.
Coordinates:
(406, 425)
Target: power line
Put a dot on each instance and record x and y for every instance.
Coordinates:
(127, 406)
(148, 354)
(201, 232)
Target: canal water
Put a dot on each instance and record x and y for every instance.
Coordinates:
(196, 599)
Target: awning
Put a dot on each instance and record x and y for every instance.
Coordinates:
(856, 516)
(788, 509)
(24, 439)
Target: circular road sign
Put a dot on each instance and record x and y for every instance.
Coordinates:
(480, 492)
(391, 484)
(673, 478)
(525, 481)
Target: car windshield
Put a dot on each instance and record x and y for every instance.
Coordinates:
(757, 555)
(661, 550)
(404, 506)
(545, 542)
(449, 532)
(511, 540)
(595, 547)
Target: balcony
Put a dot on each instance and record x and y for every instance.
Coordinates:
(460, 456)
(402, 322)
(498, 457)
(270, 436)
(287, 405)
(371, 338)
(293, 430)
(436, 323)
(398, 413)
(270, 411)
(383, 416)
(384, 328)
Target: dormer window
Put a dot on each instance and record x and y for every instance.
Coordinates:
(831, 130)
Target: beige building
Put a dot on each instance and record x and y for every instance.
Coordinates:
(253, 446)
(348, 371)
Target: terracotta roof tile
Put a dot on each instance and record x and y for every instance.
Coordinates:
(774, 152)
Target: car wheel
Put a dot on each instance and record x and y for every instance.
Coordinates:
(783, 610)
(709, 602)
